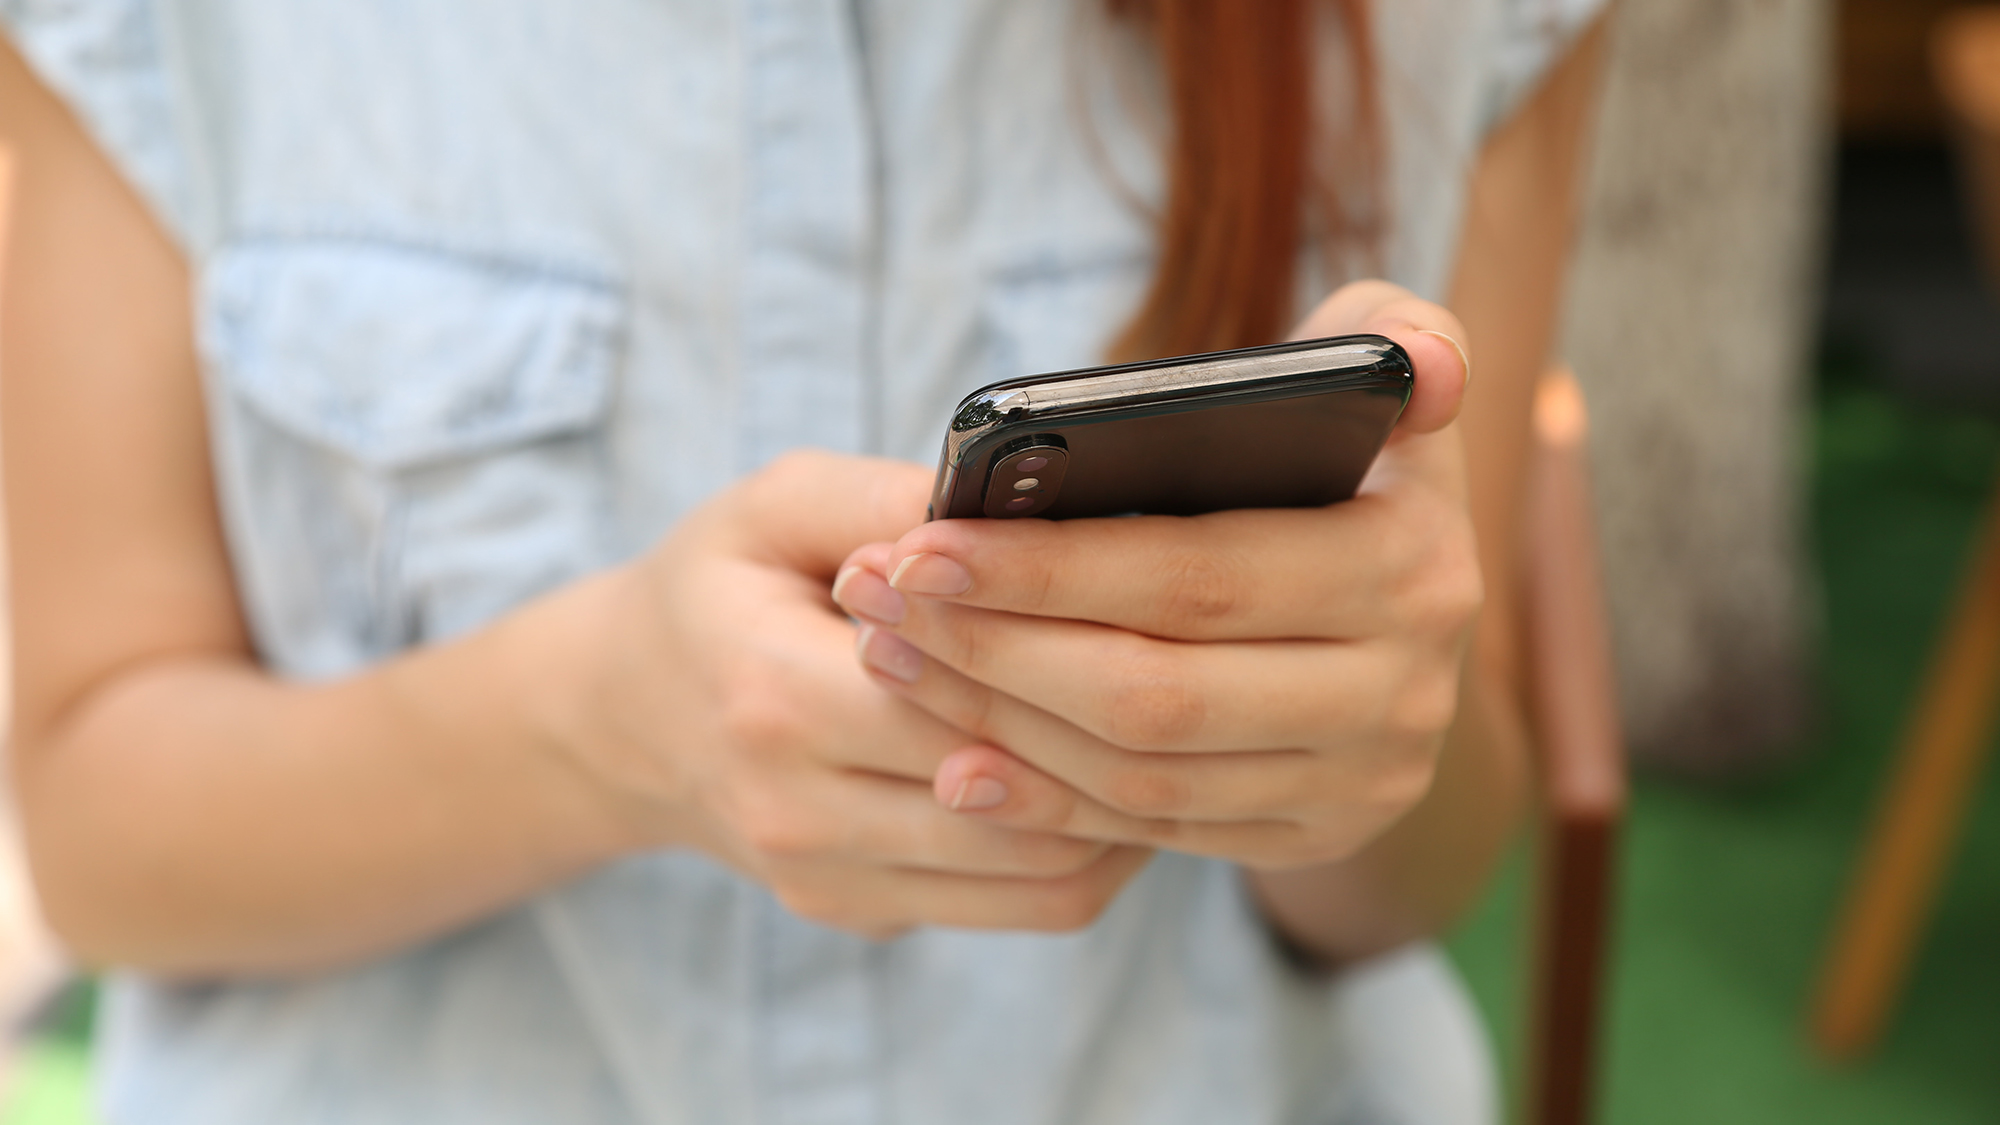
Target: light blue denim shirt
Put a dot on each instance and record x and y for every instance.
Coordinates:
(491, 292)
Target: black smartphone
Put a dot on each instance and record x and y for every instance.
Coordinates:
(1284, 426)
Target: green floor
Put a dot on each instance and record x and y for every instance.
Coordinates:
(1726, 895)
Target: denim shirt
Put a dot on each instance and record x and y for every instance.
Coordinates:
(490, 293)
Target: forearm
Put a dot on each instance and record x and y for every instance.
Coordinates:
(185, 812)
(192, 815)
(1420, 875)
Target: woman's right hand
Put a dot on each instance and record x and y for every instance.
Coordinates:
(729, 712)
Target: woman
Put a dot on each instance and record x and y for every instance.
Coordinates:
(432, 691)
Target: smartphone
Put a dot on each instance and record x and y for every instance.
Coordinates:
(1290, 425)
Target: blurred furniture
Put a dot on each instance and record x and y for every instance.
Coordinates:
(1694, 285)
(1573, 715)
(1966, 53)
(1944, 748)
(1885, 92)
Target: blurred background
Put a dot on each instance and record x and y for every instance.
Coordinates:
(1787, 323)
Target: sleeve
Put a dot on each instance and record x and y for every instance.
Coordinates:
(1529, 36)
(107, 59)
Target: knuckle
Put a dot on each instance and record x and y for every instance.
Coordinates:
(1032, 575)
(758, 715)
(1200, 588)
(1146, 792)
(1046, 856)
(1412, 781)
(1427, 703)
(1060, 810)
(771, 827)
(1401, 787)
(1442, 587)
(1460, 584)
(1401, 533)
(958, 640)
(1070, 905)
(1415, 784)
(1154, 705)
(976, 712)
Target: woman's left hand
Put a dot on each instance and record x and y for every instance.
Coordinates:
(1270, 687)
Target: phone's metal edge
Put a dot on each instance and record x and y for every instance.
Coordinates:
(1058, 397)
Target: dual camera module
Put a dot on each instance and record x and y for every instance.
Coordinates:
(1026, 478)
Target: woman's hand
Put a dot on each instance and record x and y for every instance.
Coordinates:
(729, 705)
(1267, 686)
(191, 814)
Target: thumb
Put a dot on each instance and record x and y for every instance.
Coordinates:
(1430, 334)
(810, 509)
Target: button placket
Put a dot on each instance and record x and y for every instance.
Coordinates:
(809, 237)
(809, 232)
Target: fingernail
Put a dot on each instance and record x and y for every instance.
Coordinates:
(1463, 359)
(976, 793)
(862, 592)
(931, 574)
(889, 654)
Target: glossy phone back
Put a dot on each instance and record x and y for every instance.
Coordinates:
(1285, 426)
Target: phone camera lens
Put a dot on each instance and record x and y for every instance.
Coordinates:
(1025, 478)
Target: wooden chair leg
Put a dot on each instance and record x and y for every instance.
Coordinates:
(1574, 714)
(1946, 743)
(1965, 59)
(1935, 770)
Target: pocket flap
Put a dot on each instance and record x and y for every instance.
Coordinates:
(399, 355)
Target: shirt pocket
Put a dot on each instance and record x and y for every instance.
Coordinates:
(409, 441)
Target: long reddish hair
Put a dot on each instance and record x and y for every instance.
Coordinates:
(1247, 187)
